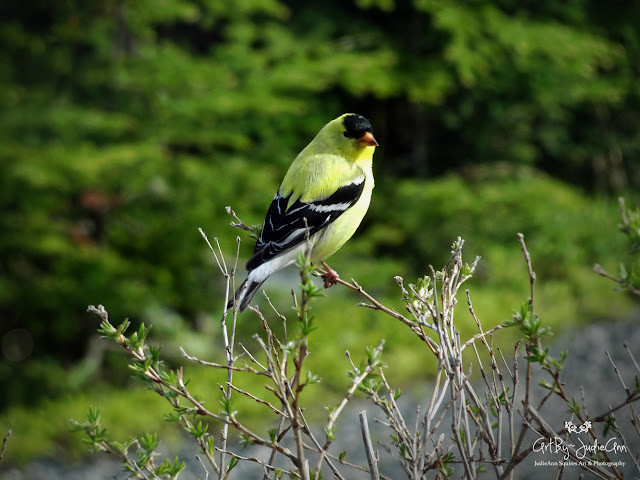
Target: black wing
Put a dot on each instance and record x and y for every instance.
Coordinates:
(285, 228)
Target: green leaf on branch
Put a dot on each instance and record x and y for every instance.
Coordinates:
(172, 469)
(573, 407)
(609, 425)
(199, 430)
(227, 407)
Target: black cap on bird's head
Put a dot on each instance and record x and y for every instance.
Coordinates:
(359, 128)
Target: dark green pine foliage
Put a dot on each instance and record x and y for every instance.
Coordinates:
(125, 126)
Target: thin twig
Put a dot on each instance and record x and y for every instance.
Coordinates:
(372, 458)
(633, 359)
(258, 400)
(4, 444)
(532, 275)
(258, 461)
(335, 413)
(206, 472)
(246, 368)
(615, 369)
(238, 223)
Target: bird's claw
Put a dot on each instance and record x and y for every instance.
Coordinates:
(331, 277)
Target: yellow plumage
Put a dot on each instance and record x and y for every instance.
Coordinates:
(325, 194)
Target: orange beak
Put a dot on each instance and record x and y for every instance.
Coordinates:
(367, 140)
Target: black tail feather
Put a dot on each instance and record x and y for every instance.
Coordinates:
(244, 295)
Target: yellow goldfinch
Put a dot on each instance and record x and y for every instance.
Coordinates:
(326, 191)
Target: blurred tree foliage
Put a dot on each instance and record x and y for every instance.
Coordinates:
(125, 125)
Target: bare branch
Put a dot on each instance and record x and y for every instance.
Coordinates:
(372, 458)
(4, 444)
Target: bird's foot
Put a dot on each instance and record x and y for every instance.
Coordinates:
(330, 277)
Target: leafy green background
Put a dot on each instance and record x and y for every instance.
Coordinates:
(125, 126)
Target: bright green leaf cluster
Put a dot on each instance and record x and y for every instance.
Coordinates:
(146, 449)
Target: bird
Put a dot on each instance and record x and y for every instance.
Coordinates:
(323, 197)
